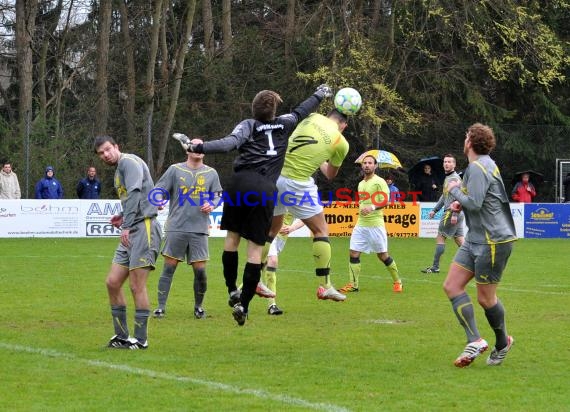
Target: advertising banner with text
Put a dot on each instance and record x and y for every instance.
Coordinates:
(90, 218)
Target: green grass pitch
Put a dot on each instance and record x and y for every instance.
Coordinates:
(378, 351)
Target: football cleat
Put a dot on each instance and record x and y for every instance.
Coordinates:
(330, 294)
(116, 342)
(239, 314)
(199, 313)
(498, 356)
(274, 310)
(397, 287)
(430, 269)
(264, 291)
(135, 345)
(349, 287)
(235, 298)
(159, 313)
(471, 351)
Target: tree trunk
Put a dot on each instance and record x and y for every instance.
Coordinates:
(131, 74)
(157, 15)
(102, 104)
(289, 32)
(175, 87)
(49, 22)
(227, 38)
(209, 46)
(25, 25)
(26, 11)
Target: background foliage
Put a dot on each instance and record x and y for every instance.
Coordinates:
(426, 69)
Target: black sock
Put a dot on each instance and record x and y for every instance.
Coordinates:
(251, 276)
(230, 262)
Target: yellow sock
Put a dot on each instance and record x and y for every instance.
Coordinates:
(322, 256)
(270, 281)
(354, 272)
(393, 269)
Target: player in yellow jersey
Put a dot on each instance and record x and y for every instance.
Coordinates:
(369, 235)
(317, 143)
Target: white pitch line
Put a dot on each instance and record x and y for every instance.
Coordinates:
(258, 393)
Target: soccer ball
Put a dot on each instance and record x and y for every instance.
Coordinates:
(348, 101)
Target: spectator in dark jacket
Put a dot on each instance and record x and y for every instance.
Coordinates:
(89, 187)
(427, 185)
(49, 187)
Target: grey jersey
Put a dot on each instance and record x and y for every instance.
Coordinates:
(261, 145)
(445, 200)
(133, 183)
(189, 189)
(485, 203)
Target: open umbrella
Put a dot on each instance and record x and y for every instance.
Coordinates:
(534, 177)
(386, 160)
(437, 171)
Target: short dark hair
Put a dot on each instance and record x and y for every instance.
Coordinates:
(99, 140)
(373, 158)
(264, 105)
(482, 138)
(335, 114)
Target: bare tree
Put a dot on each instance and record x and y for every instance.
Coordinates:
(227, 38)
(102, 105)
(289, 31)
(26, 11)
(175, 85)
(209, 46)
(157, 15)
(129, 95)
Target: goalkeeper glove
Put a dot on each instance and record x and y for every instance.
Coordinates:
(184, 141)
(324, 91)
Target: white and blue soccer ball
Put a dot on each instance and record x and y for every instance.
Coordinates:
(348, 101)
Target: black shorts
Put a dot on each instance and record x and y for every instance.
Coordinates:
(249, 200)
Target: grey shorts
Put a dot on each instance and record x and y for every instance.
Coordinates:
(486, 262)
(447, 230)
(192, 247)
(145, 238)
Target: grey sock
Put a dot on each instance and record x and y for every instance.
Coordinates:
(439, 249)
(119, 314)
(164, 284)
(200, 286)
(141, 323)
(463, 309)
(496, 318)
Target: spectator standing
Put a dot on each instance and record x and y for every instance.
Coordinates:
(395, 194)
(89, 187)
(524, 191)
(427, 185)
(49, 187)
(9, 185)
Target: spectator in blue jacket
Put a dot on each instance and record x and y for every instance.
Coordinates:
(89, 187)
(49, 187)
